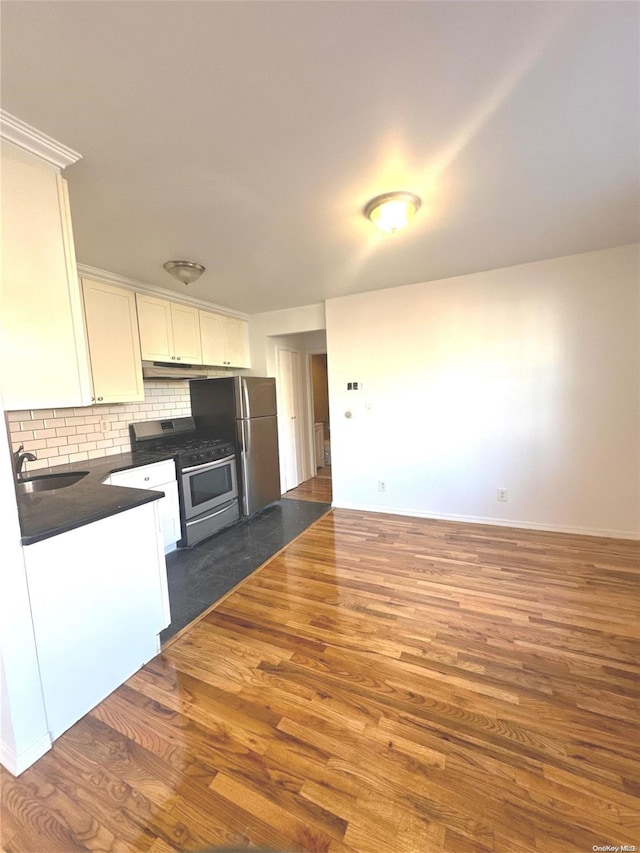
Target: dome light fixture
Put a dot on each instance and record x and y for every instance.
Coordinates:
(391, 211)
(185, 271)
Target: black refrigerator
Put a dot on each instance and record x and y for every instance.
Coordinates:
(242, 409)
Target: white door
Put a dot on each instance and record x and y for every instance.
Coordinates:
(289, 409)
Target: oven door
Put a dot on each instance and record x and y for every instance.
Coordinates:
(208, 486)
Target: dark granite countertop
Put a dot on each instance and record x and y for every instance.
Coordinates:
(45, 514)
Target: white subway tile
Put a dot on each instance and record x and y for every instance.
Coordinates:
(105, 442)
(66, 430)
(57, 442)
(74, 420)
(49, 453)
(88, 445)
(42, 413)
(71, 448)
(39, 424)
(55, 423)
(44, 433)
(19, 415)
(96, 454)
(78, 457)
(22, 435)
(36, 445)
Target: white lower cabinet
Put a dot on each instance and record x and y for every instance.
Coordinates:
(98, 602)
(160, 476)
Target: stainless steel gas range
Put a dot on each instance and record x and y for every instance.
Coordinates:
(207, 479)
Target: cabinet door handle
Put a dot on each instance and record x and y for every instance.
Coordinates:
(146, 478)
(179, 358)
(100, 398)
(173, 358)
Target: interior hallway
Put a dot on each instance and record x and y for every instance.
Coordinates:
(318, 488)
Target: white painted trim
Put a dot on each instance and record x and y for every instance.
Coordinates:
(496, 522)
(30, 139)
(17, 764)
(106, 277)
(309, 454)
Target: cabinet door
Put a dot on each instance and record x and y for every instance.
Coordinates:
(154, 324)
(186, 333)
(212, 332)
(235, 342)
(160, 476)
(114, 348)
(43, 356)
(98, 602)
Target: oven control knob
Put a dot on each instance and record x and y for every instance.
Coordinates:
(193, 458)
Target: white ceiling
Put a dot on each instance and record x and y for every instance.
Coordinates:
(248, 136)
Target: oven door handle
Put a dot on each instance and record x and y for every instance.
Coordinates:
(203, 465)
(211, 514)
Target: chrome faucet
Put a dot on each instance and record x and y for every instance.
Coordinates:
(19, 458)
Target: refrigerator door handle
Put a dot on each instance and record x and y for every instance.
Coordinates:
(245, 439)
(245, 399)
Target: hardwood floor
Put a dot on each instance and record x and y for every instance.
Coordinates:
(316, 489)
(382, 684)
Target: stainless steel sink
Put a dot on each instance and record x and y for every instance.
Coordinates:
(48, 482)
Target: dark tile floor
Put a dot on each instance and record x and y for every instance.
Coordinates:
(200, 575)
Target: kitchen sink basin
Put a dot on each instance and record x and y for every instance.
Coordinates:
(48, 482)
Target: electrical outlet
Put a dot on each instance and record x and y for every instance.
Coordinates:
(104, 425)
(503, 495)
(382, 486)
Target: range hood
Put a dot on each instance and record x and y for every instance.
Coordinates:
(170, 370)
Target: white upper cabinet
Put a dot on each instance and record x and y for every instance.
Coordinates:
(186, 333)
(224, 340)
(169, 331)
(43, 356)
(114, 348)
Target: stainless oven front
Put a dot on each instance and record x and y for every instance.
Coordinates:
(210, 498)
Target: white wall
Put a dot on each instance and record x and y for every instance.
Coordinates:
(525, 378)
(288, 321)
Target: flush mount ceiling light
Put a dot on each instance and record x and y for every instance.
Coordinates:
(185, 271)
(391, 211)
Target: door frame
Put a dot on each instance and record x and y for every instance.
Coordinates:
(301, 379)
(310, 418)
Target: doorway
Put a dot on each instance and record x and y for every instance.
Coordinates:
(321, 422)
(290, 418)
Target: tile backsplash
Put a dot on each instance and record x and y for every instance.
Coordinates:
(56, 436)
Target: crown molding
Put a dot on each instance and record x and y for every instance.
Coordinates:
(36, 142)
(106, 277)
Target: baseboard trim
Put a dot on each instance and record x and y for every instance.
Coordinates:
(17, 764)
(497, 522)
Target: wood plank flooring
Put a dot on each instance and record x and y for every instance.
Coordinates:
(316, 489)
(383, 684)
